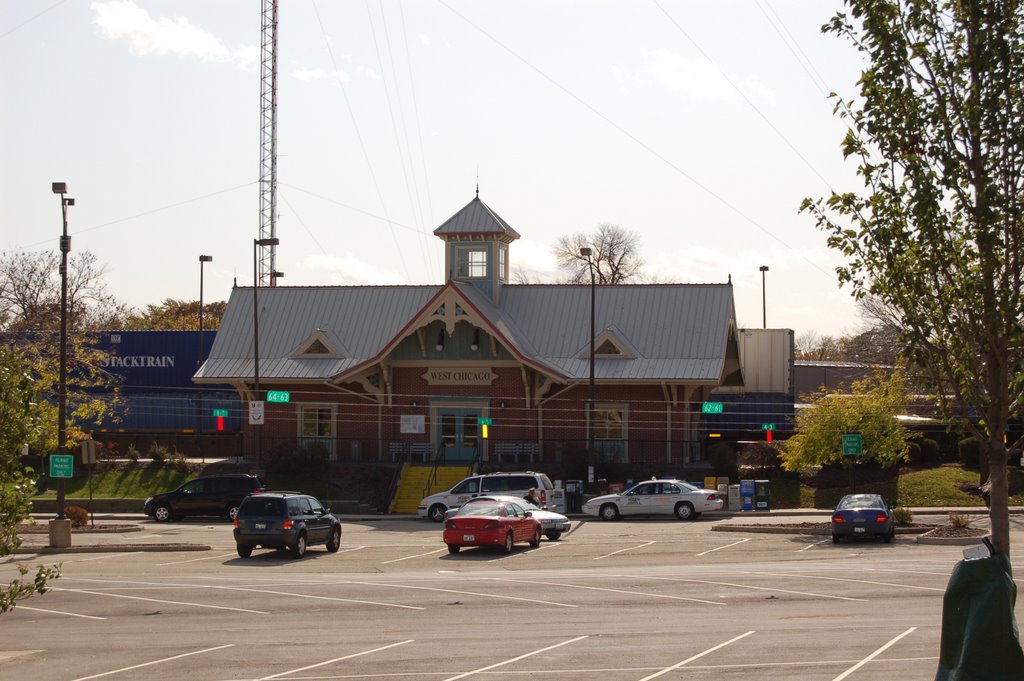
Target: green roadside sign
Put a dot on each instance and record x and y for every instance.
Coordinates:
(278, 396)
(220, 412)
(712, 408)
(852, 444)
(62, 466)
(767, 426)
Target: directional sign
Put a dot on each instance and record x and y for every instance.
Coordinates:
(62, 465)
(278, 396)
(712, 408)
(256, 412)
(852, 444)
(767, 426)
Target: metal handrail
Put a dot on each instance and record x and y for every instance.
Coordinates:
(396, 478)
(432, 478)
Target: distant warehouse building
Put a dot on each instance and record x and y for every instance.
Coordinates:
(481, 370)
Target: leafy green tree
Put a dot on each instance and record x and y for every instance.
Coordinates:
(869, 409)
(178, 315)
(21, 421)
(936, 233)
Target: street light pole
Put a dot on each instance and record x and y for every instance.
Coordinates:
(586, 252)
(62, 394)
(764, 304)
(256, 245)
(199, 362)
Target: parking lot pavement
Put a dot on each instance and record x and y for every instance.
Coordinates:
(629, 600)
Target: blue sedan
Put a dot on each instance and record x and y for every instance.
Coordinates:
(863, 515)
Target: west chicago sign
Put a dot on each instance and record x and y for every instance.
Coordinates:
(459, 376)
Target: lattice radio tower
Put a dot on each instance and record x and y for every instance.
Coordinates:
(268, 146)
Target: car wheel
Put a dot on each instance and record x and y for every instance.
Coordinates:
(244, 550)
(684, 511)
(553, 536)
(835, 539)
(436, 512)
(453, 548)
(162, 513)
(888, 536)
(299, 550)
(609, 512)
(535, 542)
(232, 511)
(507, 548)
(334, 543)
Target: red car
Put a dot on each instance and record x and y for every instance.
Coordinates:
(491, 523)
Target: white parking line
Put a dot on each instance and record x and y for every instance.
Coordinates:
(666, 670)
(109, 555)
(514, 659)
(615, 591)
(157, 600)
(337, 659)
(467, 593)
(318, 598)
(195, 560)
(59, 612)
(757, 588)
(873, 655)
(149, 664)
(735, 543)
(523, 553)
(847, 579)
(418, 555)
(811, 546)
(631, 548)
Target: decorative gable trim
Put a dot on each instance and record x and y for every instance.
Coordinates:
(610, 344)
(317, 346)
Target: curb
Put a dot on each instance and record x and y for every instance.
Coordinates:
(949, 541)
(113, 548)
(805, 530)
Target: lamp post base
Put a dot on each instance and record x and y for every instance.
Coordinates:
(60, 533)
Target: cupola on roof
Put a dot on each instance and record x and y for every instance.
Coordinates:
(476, 218)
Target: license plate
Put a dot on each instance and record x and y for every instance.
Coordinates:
(469, 537)
(858, 529)
(260, 526)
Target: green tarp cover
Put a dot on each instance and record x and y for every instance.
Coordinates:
(980, 641)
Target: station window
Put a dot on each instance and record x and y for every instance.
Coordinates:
(472, 263)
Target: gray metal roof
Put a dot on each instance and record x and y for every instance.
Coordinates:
(476, 217)
(677, 332)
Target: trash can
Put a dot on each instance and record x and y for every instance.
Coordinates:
(762, 495)
(747, 495)
(979, 631)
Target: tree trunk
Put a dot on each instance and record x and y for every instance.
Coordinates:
(999, 493)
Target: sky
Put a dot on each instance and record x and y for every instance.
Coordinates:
(700, 125)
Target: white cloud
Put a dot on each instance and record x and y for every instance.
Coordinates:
(368, 72)
(346, 270)
(309, 75)
(425, 39)
(123, 20)
(699, 79)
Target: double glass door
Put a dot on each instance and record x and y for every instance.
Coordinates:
(458, 432)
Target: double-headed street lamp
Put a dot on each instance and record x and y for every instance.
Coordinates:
(586, 253)
(62, 394)
(256, 245)
(203, 259)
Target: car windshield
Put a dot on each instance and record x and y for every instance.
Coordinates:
(860, 501)
(480, 509)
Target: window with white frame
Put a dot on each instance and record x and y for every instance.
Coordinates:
(472, 263)
(316, 420)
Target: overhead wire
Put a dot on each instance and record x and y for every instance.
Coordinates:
(647, 147)
(362, 143)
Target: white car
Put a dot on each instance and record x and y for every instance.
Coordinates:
(484, 485)
(552, 524)
(668, 497)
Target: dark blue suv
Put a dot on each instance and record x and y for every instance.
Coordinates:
(285, 520)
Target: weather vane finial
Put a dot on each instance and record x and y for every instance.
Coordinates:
(478, 182)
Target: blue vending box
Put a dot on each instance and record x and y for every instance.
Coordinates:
(747, 494)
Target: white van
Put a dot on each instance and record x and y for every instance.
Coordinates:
(512, 484)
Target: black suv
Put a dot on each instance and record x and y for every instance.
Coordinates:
(285, 520)
(209, 495)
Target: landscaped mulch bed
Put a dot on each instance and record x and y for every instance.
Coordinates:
(43, 528)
